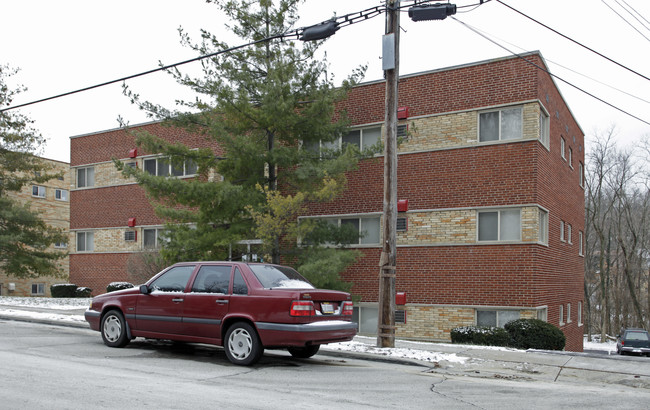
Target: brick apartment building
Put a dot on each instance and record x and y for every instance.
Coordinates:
(51, 201)
(490, 174)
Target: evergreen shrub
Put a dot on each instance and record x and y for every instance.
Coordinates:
(535, 334)
(113, 286)
(485, 336)
(63, 290)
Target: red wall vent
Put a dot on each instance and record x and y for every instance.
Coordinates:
(133, 153)
(131, 222)
(402, 113)
(402, 205)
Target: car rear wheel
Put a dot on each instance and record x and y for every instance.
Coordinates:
(243, 346)
(114, 329)
(304, 352)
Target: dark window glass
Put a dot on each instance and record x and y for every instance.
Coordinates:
(238, 284)
(489, 126)
(174, 280)
(353, 137)
(212, 279)
(150, 166)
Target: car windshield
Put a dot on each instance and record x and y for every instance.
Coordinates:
(272, 276)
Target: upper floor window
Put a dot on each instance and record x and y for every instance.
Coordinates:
(563, 147)
(61, 194)
(503, 124)
(581, 175)
(580, 244)
(38, 191)
(153, 237)
(500, 225)
(367, 228)
(543, 226)
(362, 138)
(544, 128)
(85, 177)
(562, 237)
(568, 233)
(570, 160)
(85, 241)
(162, 167)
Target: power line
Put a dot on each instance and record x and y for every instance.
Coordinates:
(346, 20)
(625, 20)
(549, 73)
(574, 41)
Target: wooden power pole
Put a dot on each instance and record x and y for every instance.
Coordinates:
(388, 259)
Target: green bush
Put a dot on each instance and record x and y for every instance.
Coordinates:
(485, 336)
(69, 290)
(82, 292)
(535, 334)
(63, 290)
(113, 286)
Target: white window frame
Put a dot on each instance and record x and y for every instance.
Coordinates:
(170, 168)
(543, 227)
(562, 238)
(40, 289)
(581, 166)
(158, 240)
(39, 191)
(88, 241)
(568, 313)
(499, 220)
(338, 143)
(61, 194)
(570, 160)
(562, 315)
(580, 313)
(563, 148)
(581, 251)
(89, 177)
(498, 312)
(568, 234)
(500, 136)
(544, 128)
(60, 245)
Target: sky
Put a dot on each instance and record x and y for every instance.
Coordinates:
(71, 44)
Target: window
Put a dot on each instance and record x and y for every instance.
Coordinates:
(568, 312)
(581, 175)
(61, 194)
(570, 157)
(562, 147)
(153, 237)
(85, 241)
(174, 280)
(366, 318)
(130, 236)
(38, 288)
(579, 313)
(504, 124)
(542, 314)
(85, 177)
(402, 224)
(544, 134)
(580, 244)
(562, 231)
(368, 228)
(162, 167)
(239, 286)
(362, 138)
(504, 225)
(60, 245)
(561, 315)
(212, 279)
(568, 233)
(543, 227)
(38, 191)
(495, 318)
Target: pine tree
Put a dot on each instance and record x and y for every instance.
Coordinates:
(271, 108)
(24, 237)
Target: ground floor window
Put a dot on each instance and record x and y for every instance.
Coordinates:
(38, 288)
(495, 318)
(366, 318)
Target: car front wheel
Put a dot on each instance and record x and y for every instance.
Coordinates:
(114, 329)
(243, 346)
(304, 352)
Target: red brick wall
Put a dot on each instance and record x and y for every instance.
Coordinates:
(103, 146)
(110, 207)
(96, 271)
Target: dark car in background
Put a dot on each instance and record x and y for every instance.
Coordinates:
(633, 341)
(244, 307)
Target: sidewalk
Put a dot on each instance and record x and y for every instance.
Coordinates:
(442, 358)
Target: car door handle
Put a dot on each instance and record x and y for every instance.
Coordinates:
(177, 300)
(222, 301)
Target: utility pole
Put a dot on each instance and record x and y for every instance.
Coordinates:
(388, 259)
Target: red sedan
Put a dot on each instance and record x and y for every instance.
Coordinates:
(245, 307)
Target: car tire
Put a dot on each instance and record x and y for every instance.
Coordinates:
(113, 329)
(242, 344)
(304, 352)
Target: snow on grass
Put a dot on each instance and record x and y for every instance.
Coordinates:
(396, 352)
(43, 316)
(46, 303)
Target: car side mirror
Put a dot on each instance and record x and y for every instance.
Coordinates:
(144, 289)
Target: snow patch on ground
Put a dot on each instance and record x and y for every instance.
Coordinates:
(422, 355)
(44, 316)
(46, 303)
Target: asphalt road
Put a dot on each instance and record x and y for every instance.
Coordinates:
(52, 367)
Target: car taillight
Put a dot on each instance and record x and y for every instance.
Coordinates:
(348, 308)
(302, 308)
